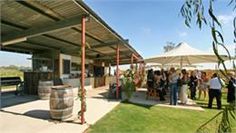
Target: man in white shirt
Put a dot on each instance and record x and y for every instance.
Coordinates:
(216, 85)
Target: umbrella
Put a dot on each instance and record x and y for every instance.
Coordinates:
(183, 54)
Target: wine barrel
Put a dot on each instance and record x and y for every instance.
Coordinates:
(44, 89)
(61, 102)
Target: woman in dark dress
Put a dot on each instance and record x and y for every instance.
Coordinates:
(150, 79)
(159, 84)
(231, 89)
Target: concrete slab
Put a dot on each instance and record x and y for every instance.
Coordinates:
(34, 116)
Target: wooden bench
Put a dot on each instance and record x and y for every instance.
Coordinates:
(10, 81)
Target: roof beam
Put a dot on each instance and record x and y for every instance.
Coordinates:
(100, 41)
(87, 34)
(12, 25)
(112, 55)
(68, 42)
(18, 50)
(105, 44)
(62, 40)
(36, 31)
(28, 5)
(41, 45)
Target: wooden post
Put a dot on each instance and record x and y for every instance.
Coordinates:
(117, 70)
(132, 61)
(82, 68)
(181, 63)
(109, 69)
(0, 96)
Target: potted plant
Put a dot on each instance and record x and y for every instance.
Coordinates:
(128, 84)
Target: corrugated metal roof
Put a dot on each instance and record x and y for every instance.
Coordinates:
(20, 16)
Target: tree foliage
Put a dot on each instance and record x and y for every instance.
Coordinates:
(169, 46)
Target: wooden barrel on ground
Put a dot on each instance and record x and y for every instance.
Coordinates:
(44, 89)
(61, 102)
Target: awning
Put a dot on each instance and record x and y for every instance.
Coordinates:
(31, 26)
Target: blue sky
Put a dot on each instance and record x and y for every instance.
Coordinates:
(149, 24)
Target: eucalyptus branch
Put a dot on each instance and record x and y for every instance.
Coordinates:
(195, 9)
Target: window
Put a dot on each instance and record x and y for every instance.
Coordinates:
(75, 66)
(66, 66)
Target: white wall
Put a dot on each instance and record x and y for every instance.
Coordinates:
(74, 59)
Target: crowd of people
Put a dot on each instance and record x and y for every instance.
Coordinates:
(184, 84)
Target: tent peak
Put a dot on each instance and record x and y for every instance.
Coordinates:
(183, 44)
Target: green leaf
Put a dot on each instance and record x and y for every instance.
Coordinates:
(230, 2)
(226, 50)
(199, 20)
(213, 33)
(187, 23)
(234, 23)
(234, 66)
(220, 35)
(210, 11)
(216, 51)
(232, 114)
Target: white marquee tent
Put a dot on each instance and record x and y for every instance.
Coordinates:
(184, 55)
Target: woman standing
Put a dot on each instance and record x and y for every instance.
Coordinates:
(164, 78)
(159, 84)
(184, 87)
(203, 85)
(173, 78)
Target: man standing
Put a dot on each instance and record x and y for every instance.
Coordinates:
(216, 85)
(193, 85)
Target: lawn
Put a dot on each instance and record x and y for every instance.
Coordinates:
(204, 103)
(127, 117)
(137, 118)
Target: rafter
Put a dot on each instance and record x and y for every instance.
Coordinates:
(52, 27)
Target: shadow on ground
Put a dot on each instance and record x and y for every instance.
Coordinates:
(205, 105)
(39, 114)
(10, 99)
(43, 115)
(137, 104)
